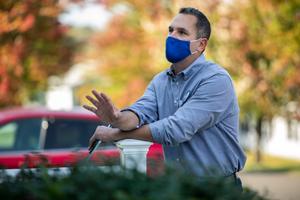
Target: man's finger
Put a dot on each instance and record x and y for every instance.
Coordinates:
(108, 101)
(93, 101)
(90, 108)
(106, 98)
(98, 97)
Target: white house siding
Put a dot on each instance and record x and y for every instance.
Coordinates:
(279, 143)
(276, 140)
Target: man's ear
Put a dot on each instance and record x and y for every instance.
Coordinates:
(202, 44)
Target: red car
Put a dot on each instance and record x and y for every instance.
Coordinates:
(57, 138)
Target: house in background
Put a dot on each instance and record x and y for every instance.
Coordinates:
(285, 138)
(60, 95)
(282, 137)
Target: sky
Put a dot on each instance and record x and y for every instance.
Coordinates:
(89, 15)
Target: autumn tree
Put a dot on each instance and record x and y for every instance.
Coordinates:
(131, 49)
(33, 46)
(264, 46)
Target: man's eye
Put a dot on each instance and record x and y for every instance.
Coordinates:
(181, 32)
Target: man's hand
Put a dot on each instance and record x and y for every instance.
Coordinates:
(105, 134)
(104, 107)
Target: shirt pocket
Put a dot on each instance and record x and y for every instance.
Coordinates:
(185, 97)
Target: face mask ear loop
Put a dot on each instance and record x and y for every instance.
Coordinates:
(194, 52)
(197, 49)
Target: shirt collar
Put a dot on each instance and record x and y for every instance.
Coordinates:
(189, 70)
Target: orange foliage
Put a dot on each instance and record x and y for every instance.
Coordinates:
(32, 47)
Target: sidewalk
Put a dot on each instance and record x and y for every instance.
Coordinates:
(277, 186)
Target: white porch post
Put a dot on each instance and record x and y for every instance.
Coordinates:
(133, 154)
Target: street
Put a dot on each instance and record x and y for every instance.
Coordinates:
(277, 186)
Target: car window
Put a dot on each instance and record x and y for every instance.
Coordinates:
(20, 135)
(7, 135)
(69, 133)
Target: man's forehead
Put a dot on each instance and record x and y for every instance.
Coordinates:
(184, 21)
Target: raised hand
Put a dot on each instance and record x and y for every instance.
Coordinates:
(103, 107)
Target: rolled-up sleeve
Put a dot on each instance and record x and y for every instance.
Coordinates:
(146, 107)
(201, 111)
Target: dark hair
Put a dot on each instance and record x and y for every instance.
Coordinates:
(202, 25)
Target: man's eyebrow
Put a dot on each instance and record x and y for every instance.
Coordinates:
(182, 29)
(179, 29)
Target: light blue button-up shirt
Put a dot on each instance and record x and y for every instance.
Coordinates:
(195, 115)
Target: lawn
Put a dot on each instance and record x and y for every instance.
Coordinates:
(271, 164)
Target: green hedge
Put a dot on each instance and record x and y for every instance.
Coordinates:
(88, 182)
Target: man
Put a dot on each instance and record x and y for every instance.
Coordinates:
(190, 108)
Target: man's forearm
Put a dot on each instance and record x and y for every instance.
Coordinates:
(142, 133)
(126, 121)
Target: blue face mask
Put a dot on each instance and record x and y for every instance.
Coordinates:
(177, 50)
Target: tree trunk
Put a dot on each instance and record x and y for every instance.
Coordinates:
(270, 123)
(259, 122)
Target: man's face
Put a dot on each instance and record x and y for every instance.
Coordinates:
(183, 27)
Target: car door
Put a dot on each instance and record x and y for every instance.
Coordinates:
(53, 141)
(18, 139)
(66, 142)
